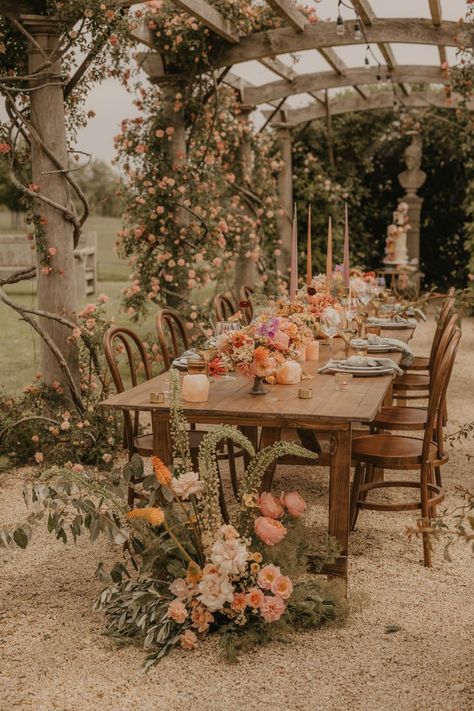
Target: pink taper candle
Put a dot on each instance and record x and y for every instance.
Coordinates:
(294, 259)
(346, 247)
(309, 260)
(329, 257)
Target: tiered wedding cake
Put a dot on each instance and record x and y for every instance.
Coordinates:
(396, 242)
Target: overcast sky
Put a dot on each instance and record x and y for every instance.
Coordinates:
(112, 103)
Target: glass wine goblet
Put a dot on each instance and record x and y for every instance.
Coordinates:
(331, 325)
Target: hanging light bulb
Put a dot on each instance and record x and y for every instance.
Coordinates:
(366, 59)
(357, 30)
(340, 29)
(379, 75)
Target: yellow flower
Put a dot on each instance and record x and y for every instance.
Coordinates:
(162, 472)
(257, 557)
(250, 500)
(254, 567)
(153, 516)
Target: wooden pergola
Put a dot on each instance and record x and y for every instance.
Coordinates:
(362, 88)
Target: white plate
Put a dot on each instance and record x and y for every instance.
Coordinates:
(370, 372)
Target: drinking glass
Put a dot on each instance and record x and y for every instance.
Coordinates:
(222, 328)
(331, 325)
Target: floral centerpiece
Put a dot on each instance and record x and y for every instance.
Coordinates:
(260, 349)
(197, 572)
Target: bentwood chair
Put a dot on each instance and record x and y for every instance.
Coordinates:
(173, 341)
(400, 452)
(422, 363)
(123, 341)
(246, 293)
(224, 307)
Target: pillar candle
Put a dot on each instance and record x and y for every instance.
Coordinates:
(309, 260)
(195, 387)
(329, 257)
(294, 259)
(346, 248)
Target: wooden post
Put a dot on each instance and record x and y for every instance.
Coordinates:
(56, 291)
(285, 191)
(245, 269)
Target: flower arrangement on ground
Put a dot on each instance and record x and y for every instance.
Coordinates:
(197, 572)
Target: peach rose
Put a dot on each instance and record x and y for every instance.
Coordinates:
(254, 598)
(188, 640)
(269, 531)
(177, 611)
(270, 506)
(281, 340)
(272, 608)
(239, 603)
(201, 618)
(282, 586)
(294, 503)
(268, 575)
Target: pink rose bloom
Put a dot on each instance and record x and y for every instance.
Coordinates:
(272, 608)
(254, 598)
(281, 340)
(239, 603)
(282, 586)
(177, 611)
(188, 640)
(268, 575)
(270, 506)
(269, 531)
(294, 503)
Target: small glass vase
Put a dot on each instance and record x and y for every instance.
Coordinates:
(257, 387)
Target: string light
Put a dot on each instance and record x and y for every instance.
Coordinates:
(366, 59)
(357, 30)
(340, 29)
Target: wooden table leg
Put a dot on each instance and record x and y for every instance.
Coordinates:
(161, 438)
(269, 436)
(339, 499)
(252, 434)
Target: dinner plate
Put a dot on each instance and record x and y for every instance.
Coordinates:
(381, 349)
(368, 372)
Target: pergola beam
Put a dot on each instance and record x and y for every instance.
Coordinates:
(376, 100)
(437, 18)
(339, 66)
(289, 12)
(365, 11)
(278, 67)
(286, 40)
(310, 83)
(210, 17)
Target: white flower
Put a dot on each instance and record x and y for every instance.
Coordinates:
(228, 531)
(229, 556)
(179, 588)
(186, 485)
(215, 591)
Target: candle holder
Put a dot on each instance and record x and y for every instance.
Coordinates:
(343, 381)
(305, 393)
(157, 398)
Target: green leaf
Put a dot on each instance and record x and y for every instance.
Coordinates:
(20, 538)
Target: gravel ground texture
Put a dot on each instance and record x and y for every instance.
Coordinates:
(54, 655)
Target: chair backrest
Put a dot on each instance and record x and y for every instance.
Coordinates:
(172, 336)
(438, 389)
(119, 340)
(224, 307)
(443, 319)
(246, 293)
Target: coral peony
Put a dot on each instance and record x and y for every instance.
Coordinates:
(282, 586)
(269, 531)
(268, 575)
(239, 603)
(270, 506)
(294, 503)
(254, 598)
(272, 608)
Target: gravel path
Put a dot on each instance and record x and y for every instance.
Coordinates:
(54, 655)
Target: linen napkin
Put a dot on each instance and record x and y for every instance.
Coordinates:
(182, 361)
(362, 362)
(381, 322)
(410, 311)
(394, 343)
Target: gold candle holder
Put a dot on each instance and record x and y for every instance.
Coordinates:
(157, 398)
(305, 393)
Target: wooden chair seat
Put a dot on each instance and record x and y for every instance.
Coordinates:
(412, 381)
(418, 363)
(389, 451)
(400, 418)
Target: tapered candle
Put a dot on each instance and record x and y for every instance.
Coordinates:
(309, 260)
(294, 259)
(346, 248)
(329, 257)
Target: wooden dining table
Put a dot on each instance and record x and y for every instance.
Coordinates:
(329, 411)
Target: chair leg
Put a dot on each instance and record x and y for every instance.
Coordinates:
(222, 501)
(232, 467)
(359, 475)
(425, 513)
